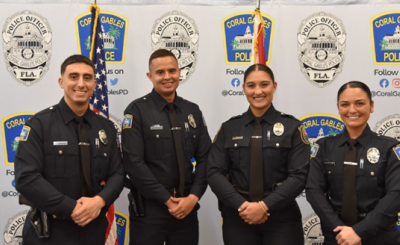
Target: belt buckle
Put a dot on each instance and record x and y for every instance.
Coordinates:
(174, 192)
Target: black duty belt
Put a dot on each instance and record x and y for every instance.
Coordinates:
(175, 191)
(245, 193)
(361, 216)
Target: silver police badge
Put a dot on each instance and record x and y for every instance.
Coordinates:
(191, 120)
(27, 46)
(321, 48)
(178, 33)
(278, 129)
(373, 155)
(389, 126)
(103, 137)
(312, 230)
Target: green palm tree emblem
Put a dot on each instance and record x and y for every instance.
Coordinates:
(87, 42)
(384, 43)
(14, 144)
(235, 44)
(115, 33)
(332, 132)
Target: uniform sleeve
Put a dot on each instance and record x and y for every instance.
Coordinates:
(29, 164)
(201, 154)
(316, 187)
(297, 164)
(115, 179)
(388, 207)
(134, 163)
(219, 166)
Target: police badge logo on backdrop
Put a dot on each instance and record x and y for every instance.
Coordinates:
(11, 128)
(238, 37)
(177, 32)
(27, 46)
(13, 230)
(321, 48)
(385, 31)
(312, 230)
(389, 126)
(114, 35)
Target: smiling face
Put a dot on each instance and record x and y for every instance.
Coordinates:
(164, 74)
(355, 108)
(259, 89)
(78, 83)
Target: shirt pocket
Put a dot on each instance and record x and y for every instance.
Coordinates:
(101, 163)
(159, 145)
(190, 143)
(276, 151)
(239, 152)
(61, 161)
(334, 173)
(371, 181)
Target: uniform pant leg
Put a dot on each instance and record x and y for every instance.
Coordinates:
(237, 232)
(152, 229)
(383, 236)
(284, 227)
(64, 232)
(184, 231)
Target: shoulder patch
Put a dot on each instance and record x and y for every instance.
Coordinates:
(204, 120)
(396, 150)
(303, 134)
(24, 133)
(216, 136)
(314, 149)
(234, 117)
(127, 121)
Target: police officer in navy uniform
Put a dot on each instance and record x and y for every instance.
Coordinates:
(273, 163)
(48, 165)
(357, 197)
(157, 156)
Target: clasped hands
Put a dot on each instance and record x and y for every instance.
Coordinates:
(87, 209)
(252, 212)
(181, 207)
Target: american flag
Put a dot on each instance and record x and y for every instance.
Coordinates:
(258, 50)
(99, 100)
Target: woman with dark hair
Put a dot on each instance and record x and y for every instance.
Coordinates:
(354, 179)
(257, 167)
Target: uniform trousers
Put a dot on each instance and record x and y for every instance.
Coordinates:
(382, 236)
(159, 226)
(67, 232)
(283, 227)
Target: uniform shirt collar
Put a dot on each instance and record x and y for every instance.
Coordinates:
(269, 116)
(161, 102)
(68, 115)
(363, 139)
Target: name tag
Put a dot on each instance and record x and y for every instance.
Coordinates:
(237, 138)
(156, 127)
(350, 163)
(60, 142)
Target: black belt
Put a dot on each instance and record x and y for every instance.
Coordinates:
(246, 194)
(175, 191)
(361, 216)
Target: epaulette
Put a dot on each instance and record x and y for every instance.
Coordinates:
(288, 115)
(234, 117)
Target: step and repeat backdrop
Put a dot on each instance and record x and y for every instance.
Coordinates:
(312, 48)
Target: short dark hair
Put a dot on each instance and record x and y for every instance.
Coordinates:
(161, 53)
(76, 58)
(355, 84)
(258, 67)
